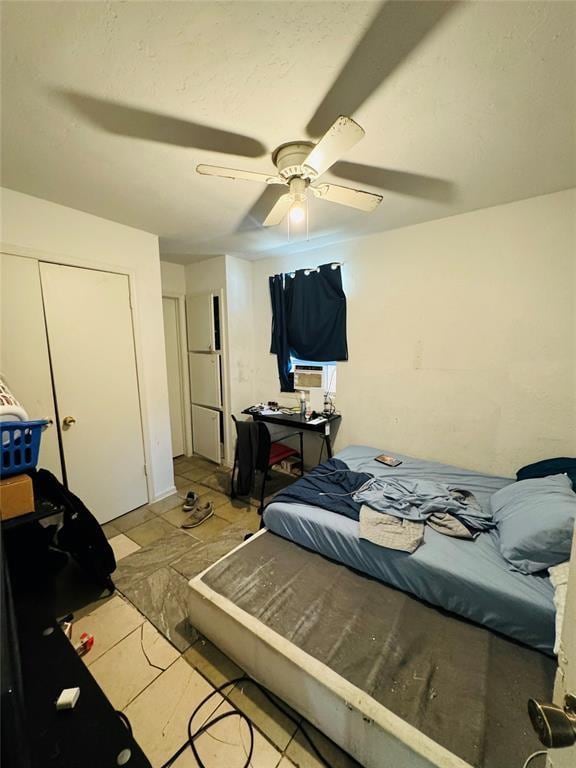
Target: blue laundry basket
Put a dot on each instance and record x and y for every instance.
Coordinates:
(20, 445)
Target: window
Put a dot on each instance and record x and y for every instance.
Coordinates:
(308, 319)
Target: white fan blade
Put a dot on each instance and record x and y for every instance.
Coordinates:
(355, 198)
(337, 140)
(232, 173)
(279, 210)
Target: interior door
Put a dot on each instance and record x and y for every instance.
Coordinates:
(200, 321)
(91, 343)
(206, 432)
(205, 386)
(566, 676)
(174, 369)
(24, 357)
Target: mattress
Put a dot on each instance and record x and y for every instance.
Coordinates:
(393, 681)
(468, 578)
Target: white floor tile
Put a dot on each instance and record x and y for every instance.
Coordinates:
(122, 546)
(126, 669)
(109, 623)
(159, 715)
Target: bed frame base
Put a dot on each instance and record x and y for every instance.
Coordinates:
(368, 731)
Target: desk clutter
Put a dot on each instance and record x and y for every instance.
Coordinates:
(272, 408)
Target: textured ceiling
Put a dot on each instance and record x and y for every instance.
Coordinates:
(474, 111)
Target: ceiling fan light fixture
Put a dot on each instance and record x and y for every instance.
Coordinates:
(297, 212)
(298, 221)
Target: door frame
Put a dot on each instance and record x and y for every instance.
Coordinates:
(183, 361)
(67, 260)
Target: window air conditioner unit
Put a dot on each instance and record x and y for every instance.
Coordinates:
(308, 376)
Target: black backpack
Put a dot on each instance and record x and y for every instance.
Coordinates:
(81, 534)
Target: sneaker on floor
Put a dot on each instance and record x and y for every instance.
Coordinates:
(199, 515)
(191, 501)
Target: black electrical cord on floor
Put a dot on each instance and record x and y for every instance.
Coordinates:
(211, 721)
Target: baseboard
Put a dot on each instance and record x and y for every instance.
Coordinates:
(164, 494)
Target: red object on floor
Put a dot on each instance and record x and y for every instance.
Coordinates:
(85, 644)
(279, 452)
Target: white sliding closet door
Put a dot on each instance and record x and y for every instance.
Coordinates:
(91, 343)
(24, 357)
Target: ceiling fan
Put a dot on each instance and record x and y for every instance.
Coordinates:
(397, 29)
(299, 164)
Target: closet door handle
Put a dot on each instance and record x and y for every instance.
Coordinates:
(67, 422)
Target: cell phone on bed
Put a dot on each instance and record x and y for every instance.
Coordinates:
(390, 461)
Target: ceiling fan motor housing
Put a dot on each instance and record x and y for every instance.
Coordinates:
(289, 159)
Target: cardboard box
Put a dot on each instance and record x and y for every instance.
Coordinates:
(16, 496)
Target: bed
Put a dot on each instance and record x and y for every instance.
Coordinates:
(371, 650)
(468, 578)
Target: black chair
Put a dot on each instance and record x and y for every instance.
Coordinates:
(270, 451)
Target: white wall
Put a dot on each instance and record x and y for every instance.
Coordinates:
(173, 278)
(460, 332)
(207, 275)
(240, 333)
(50, 232)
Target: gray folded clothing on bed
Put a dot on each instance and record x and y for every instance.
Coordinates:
(449, 525)
(389, 531)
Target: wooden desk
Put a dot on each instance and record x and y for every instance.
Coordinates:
(296, 422)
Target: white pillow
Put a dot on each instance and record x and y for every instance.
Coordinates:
(559, 578)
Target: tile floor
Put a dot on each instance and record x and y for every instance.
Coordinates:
(154, 666)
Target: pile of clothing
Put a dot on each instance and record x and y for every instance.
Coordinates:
(393, 512)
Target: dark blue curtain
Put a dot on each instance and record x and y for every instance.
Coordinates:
(316, 315)
(279, 341)
(308, 319)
